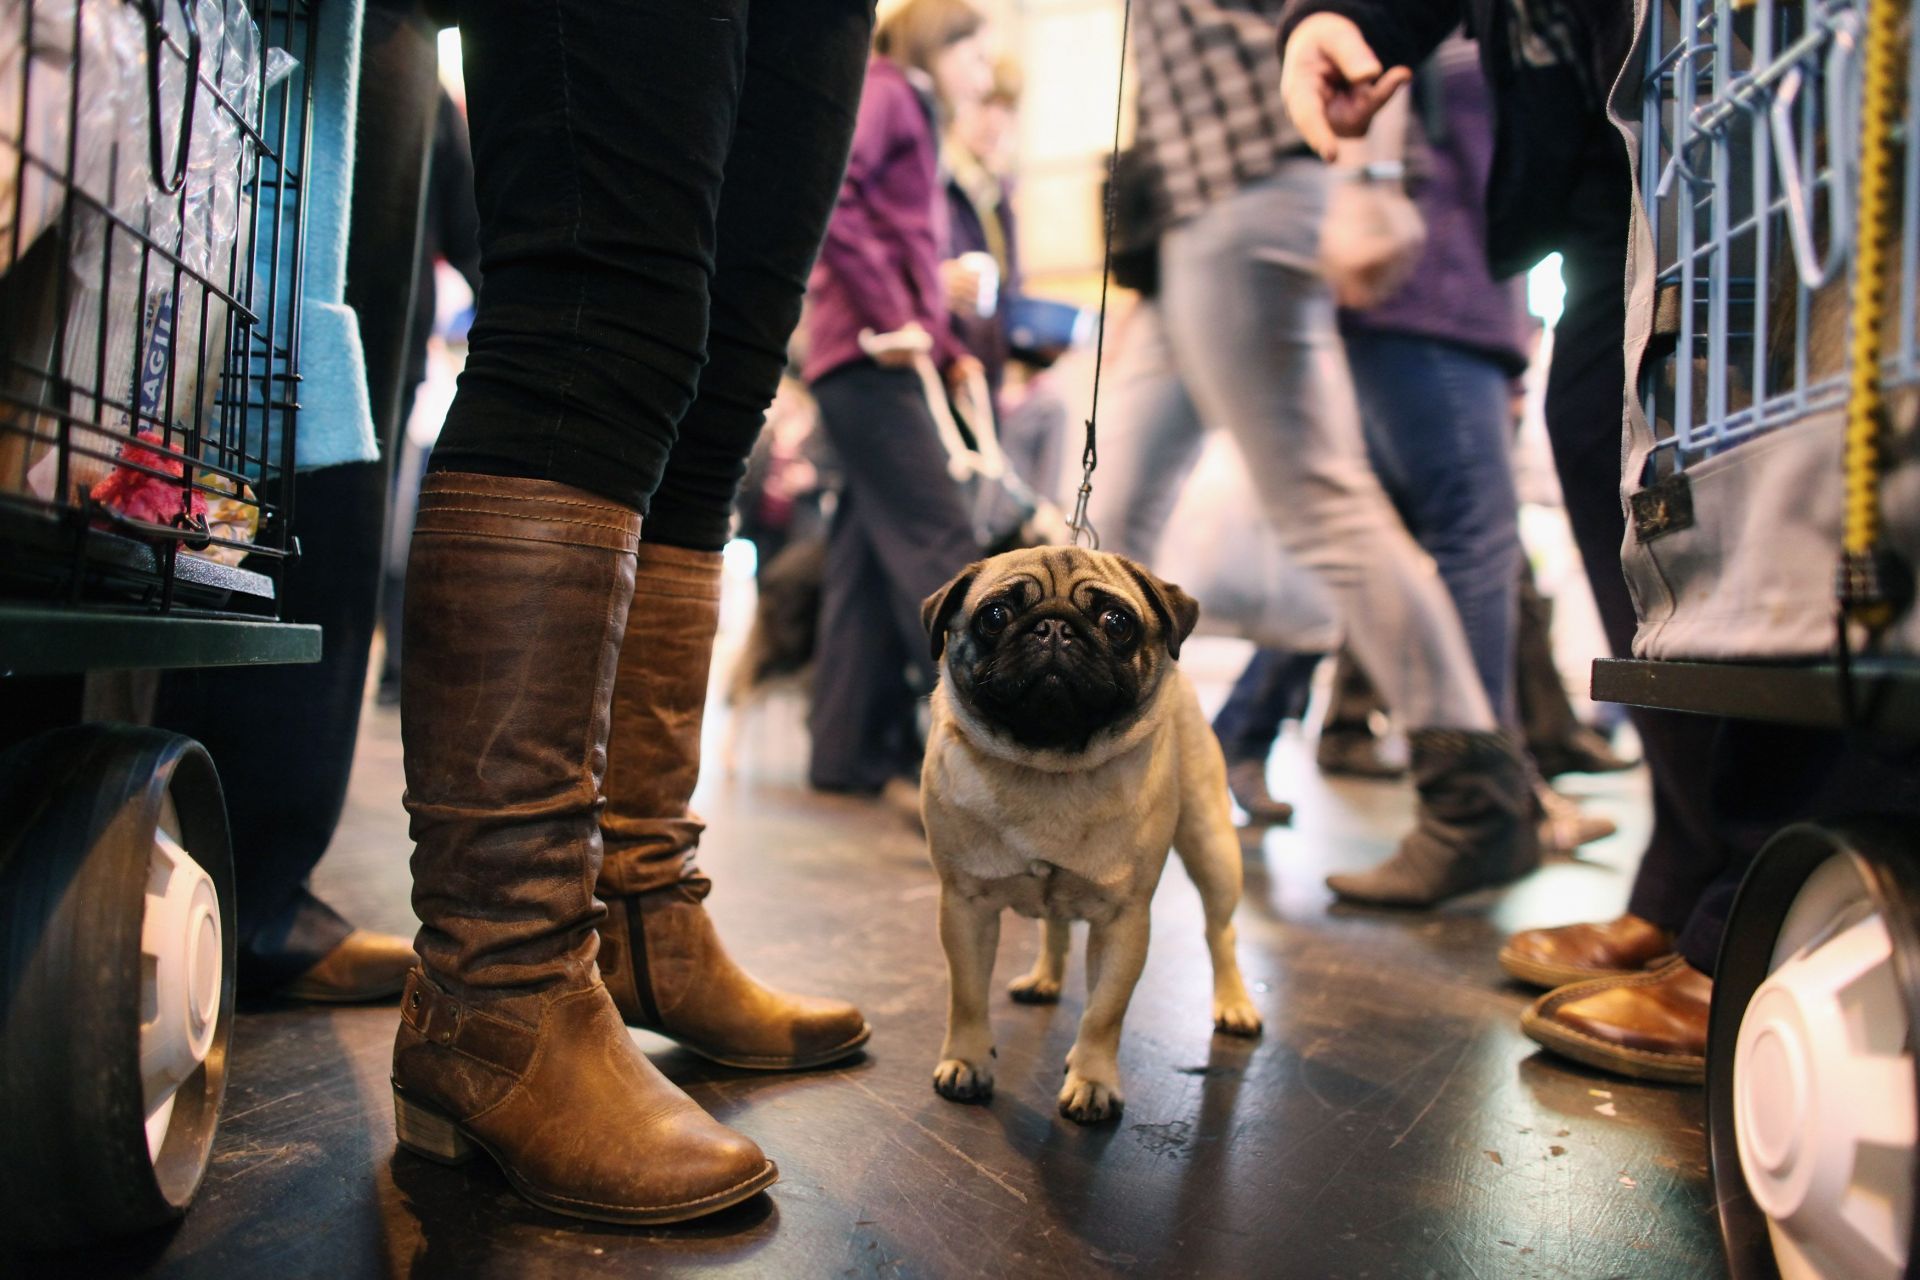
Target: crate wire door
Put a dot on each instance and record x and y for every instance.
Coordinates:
(1747, 171)
(149, 319)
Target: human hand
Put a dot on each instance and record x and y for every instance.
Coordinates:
(1332, 83)
(1370, 241)
(962, 281)
(963, 371)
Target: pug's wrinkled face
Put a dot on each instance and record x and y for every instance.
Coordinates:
(1051, 646)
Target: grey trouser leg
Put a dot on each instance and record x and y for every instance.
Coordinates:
(1251, 325)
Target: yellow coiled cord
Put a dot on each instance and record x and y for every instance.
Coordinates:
(1862, 594)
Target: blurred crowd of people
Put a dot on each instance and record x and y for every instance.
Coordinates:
(1344, 324)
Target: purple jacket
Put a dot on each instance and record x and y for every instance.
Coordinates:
(1452, 294)
(879, 266)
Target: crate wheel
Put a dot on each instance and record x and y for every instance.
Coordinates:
(1811, 1089)
(116, 981)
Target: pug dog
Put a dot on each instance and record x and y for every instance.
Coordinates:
(1067, 752)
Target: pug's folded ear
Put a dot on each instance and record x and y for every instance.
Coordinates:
(1178, 611)
(937, 610)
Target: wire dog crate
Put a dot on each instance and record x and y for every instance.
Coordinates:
(1744, 476)
(1749, 174)
(149, 321)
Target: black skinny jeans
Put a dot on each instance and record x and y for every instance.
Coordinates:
(653, 180)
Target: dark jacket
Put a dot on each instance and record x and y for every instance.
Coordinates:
(879, 266)
(1551, 65)
(972, 229)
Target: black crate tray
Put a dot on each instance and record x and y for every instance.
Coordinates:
(1885, 692)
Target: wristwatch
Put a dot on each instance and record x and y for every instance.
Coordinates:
(1383, 171)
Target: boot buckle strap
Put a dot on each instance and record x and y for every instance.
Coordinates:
(442, 1020)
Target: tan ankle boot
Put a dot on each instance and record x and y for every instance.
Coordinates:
(517, 592)
(659, 953)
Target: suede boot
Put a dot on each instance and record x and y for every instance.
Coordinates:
(659, 953)
(1474, 827)
(517, 591)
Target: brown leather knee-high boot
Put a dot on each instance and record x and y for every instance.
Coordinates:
(659, 953)
(517, 591)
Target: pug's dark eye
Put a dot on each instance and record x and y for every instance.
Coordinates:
(1118, 625)
(994, 619)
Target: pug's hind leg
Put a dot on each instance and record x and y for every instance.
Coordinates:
(1211, 854)
(1041, 984)
(970, 934)
(1116, 953)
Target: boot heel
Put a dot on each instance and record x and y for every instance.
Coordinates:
(429, 1134)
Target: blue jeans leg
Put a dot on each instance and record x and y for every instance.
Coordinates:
(1273, 689)
(1440, 436)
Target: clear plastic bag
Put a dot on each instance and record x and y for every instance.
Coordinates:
(184, 326)
(163, 343)
(86, 74)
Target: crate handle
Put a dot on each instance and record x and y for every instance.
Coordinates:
(1842, 64)
(1685, 137)
(156, 40)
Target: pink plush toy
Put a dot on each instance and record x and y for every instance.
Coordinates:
(140, 496)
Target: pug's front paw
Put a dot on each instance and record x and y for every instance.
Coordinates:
(1087, 1101)
(960, 1081)
(1034, 988)
(1236, 1018)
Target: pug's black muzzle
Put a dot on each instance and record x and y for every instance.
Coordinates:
(1050, 684)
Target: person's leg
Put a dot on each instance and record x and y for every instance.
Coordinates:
(661, 956)
(1556, 739)
(898, 535)
(1149, 440)
(1252, 329)
(600, 136)
(858, 689)
(1348, 746)
(893, 465)
(1767, 777)
(1437, 431)
(283, 737)
(1262, 698)
(1613, 1022)
(1685, 850)
(1273, 689)
(1764, 777)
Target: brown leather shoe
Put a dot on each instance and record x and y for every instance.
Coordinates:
(1580, 952)
(366, 966)
(1650, 1025)
(660, 955)
(517, 593)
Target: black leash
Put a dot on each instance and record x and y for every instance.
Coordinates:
(1083, 530)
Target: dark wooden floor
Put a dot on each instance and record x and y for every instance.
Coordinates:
(1393, 1122)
